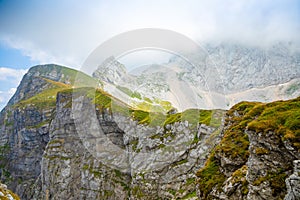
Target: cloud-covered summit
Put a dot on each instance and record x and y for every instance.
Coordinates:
(66, 32)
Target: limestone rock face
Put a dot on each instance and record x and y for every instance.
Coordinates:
(24, 127)
(148, 163)
(63, 147)
(24, 134)
(7, 194)
(110, 71)
(293, 183)
(69, 170)
(256, 155)
(63, 144)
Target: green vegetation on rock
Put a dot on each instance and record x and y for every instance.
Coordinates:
(210, 176)
(280, 119)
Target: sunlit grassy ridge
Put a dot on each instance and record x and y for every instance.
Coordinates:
(69, 78)
(144, 110)
(141, 102)
(68, 75)
(45, 99)
(281, 118)
(102, 100)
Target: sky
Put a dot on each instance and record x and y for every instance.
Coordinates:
(65, 31)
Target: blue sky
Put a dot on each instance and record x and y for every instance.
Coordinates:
(66, 32)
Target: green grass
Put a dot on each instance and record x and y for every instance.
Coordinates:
(129, 92)
(210, 176)
(239, 176)
(190, 195)
(281, 118)
(234, 145)
(70, 76)
(193, 116)
(45, 99)
(150, 112)
(4, 150)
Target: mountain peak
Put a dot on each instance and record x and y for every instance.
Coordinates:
(110, 71)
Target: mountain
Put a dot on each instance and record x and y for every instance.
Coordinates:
(60, 138)
(225, 75)
(46, 154)
(258, 156)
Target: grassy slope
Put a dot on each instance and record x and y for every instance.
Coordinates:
(281, 117)
(47, 98)
(150, 112)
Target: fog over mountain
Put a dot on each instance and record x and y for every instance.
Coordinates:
(228, 74)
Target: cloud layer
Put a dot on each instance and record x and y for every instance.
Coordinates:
(9, 80)
(65, 32)
(14, 75)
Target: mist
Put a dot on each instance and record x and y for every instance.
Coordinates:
(66, 32)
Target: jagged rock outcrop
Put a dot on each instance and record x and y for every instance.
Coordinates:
(255, 157)
(34, 81)
(45, 156)
(241, 67)
(24, 125)
(69, 170)
(62, 142)
(293, 183)
(152, 162)
(110, 71)
(7, 194)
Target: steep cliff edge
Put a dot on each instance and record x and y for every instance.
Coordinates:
(148, 162)
(24, 124)
(255, 157)
(44, 155)
(60, 141)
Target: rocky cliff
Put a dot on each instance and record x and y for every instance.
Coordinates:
(7, 194)
(25, 123)
(257, 153)
(60, 141)
(148, 162)
(47, 153)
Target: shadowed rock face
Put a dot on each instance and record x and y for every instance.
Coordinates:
(24, 128)
(24, 134)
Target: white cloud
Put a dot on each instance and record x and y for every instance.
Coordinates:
(68, 36)
(12, 91)
(14, 75)
(6, 95)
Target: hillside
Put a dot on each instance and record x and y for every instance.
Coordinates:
(40, 123)
(60, 138)
(256, 156)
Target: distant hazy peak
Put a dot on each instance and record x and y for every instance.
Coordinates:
(110, 70)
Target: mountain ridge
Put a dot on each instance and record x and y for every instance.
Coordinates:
(51, 153)
(228, 72)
